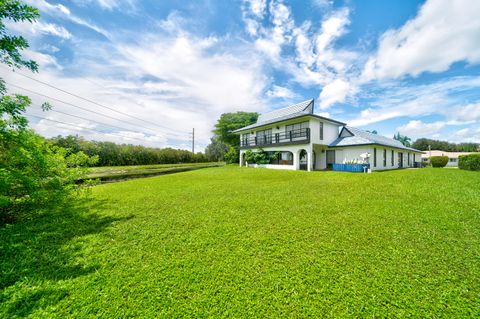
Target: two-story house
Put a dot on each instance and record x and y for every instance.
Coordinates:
(306, 141)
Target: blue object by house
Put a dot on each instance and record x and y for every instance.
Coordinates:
(356, 168)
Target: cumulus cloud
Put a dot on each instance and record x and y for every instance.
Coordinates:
(334, 92)
(417, 128)
(178, 80)
(442, 33)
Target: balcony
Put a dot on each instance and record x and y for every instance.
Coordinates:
(300, 136)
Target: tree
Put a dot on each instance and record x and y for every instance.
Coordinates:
(10, 46)
(229, 122)
(373, 132)
(33, 174)
(405, 140)
(216, 150)
(423, 144)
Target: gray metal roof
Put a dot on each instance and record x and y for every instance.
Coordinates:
(287, 113)
(360, 137)
(305, 106)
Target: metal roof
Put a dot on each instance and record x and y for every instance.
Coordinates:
(304, 107)
(287, 113)
(360, 137)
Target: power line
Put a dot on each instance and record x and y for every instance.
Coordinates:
(93, 102)
(83, 128)
(85, 109)
(86, 119)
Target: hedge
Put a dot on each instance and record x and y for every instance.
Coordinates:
(439, 161)
(469, 162)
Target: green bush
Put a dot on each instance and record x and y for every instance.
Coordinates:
(34, 174)
(232, 156)
(439, 161)
(469, 162)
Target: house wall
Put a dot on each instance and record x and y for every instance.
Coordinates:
(353, 153)
(295, 149)
(330, 130)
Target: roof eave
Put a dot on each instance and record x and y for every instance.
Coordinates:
(293, 118)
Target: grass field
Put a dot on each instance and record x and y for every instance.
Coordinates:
(117, 173)
(246, 243)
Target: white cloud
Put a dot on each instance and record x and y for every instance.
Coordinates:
(442, 33)
(465, 113)
(39, 28)
(179, 81)
(61, 11)
(418, 128)
(334, 92)
(280, 92)
(108, 4)
(390, 100)
(467, 135)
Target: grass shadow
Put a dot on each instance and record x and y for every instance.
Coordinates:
(40, 250)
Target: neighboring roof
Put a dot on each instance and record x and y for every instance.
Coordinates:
(443, 153)
(359, 137)
(291, 112)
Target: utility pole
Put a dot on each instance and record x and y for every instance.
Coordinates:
(193, 140)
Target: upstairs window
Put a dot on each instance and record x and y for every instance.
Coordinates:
(297, 129)
(246, 139)
(321, 131)
(264, 137)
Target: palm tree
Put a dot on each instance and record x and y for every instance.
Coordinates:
(405, 140)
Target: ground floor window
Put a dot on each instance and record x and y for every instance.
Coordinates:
(282, 158)
(393, 155)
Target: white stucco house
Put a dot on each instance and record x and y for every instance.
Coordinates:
(307, 141)
(452, 156)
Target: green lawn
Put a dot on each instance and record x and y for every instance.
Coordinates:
(116, 173)
(246, 243)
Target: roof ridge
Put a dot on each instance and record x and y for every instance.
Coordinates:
(288, 110)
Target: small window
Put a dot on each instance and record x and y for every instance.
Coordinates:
(408, 158)
(374, 157)
(384, 158)
(321, 131)
(392, 159)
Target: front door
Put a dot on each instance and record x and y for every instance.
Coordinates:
(400, 160)
(303, 160)
(330, 158)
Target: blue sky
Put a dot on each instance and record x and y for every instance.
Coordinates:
(408, 66)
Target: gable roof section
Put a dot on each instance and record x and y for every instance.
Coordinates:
(359, 137)
(305, 107)
(291, 112)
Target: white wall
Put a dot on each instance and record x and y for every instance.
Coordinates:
(353, 153)
(330, 131)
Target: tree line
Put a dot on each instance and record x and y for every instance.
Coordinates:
(112, 154)
(423, 144)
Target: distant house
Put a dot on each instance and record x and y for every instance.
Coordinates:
(307, 141)
(452, 156)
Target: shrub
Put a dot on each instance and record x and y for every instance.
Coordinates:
(232, 156)
(439, 161)
(469, 162)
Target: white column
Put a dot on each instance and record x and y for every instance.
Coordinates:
(310, 160)
(296, 160)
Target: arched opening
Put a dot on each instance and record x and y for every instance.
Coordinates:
(242, 160)
(303, 160)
